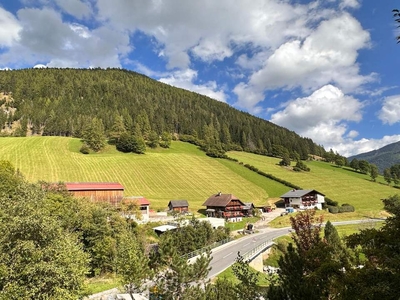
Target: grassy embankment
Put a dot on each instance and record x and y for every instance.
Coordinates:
(161, 175)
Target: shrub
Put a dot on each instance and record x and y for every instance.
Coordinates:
(330, 202)
(296, 169)
(333, 209)
(84, 149)
(346, 208)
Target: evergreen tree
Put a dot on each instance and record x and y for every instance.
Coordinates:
(93, 135)
(165, 140)
(373, 171)
(117, 130)
(153, 140)
(387, 175)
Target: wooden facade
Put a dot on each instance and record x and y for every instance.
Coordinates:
(226, 206)
(109, 192)
(180, 206)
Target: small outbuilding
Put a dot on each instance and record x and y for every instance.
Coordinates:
(179, 206)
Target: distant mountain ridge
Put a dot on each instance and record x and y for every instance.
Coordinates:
(383, 158)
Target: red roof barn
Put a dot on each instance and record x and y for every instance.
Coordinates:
(111, 192)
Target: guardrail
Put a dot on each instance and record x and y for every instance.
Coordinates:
(204, 249)
(248, 256)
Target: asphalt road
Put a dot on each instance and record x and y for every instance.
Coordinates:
(225, 255)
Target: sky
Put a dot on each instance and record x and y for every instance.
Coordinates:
(326, 69)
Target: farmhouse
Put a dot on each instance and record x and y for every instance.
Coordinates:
(178, 206)
(226, 206)
(110, 192)
(303, 199)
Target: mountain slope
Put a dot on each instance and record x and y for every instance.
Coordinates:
(161, 175)
(383, 158)
(63, 102)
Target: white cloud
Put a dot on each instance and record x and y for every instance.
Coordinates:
(322, 116)
(327, 55)
(390, 111)
(45, 37)
(350, 147)
(208, 28)
(349, 3)
(185, 79)
(9, 28)
(76, 8)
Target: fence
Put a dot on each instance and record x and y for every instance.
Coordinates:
(204, 249)
(248, 256)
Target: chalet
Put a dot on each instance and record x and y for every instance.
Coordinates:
(110, 192)
(178, 206)
(303, 199)
(226, 206)
(144, 205)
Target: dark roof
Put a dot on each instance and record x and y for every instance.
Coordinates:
(248, 205)
(93, 186)
(178, 203)
(299, 193)
(220, 200)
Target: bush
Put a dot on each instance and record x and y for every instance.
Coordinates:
(296, 169)
(84, 149)
(346, 208)
(330, 202)
(333, 209)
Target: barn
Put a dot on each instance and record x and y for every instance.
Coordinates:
(110, 192)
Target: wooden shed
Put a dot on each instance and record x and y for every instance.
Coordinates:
(178, 205)
(110, 192)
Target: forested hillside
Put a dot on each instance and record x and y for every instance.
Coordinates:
(63, 102)
(383, 158)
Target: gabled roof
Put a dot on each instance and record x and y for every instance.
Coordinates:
(248, 205)
(178, 203)
(92, 186)
(140, 199)
(220, 200)
(299, 193)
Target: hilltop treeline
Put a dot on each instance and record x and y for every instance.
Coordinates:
(65, 101)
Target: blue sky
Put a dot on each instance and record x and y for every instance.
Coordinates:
(326, 69)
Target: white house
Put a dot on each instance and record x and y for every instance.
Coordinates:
(303, 199)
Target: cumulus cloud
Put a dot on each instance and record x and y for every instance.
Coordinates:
(9, 28)
(208, 29)
(322, 116)
(351, 147)
(390, 111)
(78, 9)
(309, 64)
(185, 79)
(45, 37)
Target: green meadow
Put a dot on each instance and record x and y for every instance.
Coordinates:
(161, 175)
(339, 184)
(184, 172)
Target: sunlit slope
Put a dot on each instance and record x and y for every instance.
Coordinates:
(181, 172)
(339, 184)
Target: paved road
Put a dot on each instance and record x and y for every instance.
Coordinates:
(224, 256)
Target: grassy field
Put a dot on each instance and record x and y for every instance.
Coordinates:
(184, 172)
(339, 184)
(161, 175)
